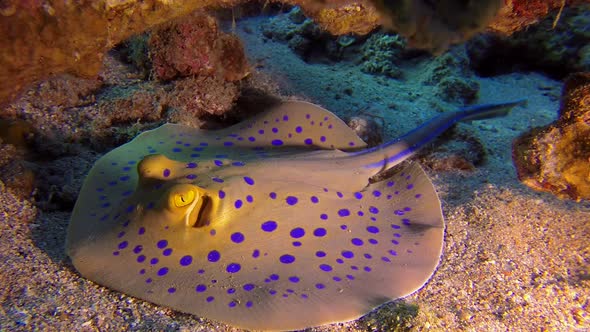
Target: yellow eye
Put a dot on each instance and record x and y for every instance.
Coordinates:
(184, 199)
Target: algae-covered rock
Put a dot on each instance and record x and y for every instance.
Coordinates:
(437, 24)
(451, 75)
(195, 46)
(42, 38)
(353, 17)
(556, 158)
(381, 54)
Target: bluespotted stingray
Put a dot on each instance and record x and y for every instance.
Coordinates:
(269, 224)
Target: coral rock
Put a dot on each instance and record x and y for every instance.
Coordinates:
(556, 158)
(195, 46)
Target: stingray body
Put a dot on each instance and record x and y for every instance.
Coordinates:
(268, 224)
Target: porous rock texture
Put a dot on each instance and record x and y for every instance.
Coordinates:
(556, 158)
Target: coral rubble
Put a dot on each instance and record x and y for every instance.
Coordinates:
(556, 158)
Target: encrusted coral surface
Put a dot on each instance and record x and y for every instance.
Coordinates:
(556, 158)
(195, 46)
(42, 38)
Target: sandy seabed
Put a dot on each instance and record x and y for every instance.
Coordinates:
(513, 259)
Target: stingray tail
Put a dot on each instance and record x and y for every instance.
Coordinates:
(387, 155)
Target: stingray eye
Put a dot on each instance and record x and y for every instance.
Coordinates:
(187, 202)
(184, 199)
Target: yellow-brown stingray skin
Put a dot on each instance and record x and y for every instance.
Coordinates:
(556, 158)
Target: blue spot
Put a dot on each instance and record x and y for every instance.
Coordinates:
(322, 138)
(410, 186)
(233, 268)
(218, 180)
(339, 194)
(248, 287)
(231, 290)
(251, 139)
(319, 232)
(186, 260)
(167, 252)
(287, 259)
(368, 256)
(261, 131)
(210, 299)
(221, 194)
(358, 195)
(249, 180)
(249, 199)
(191, 176)
(376, 193)
(163, 271)
(137, 249)
(269, 226)
(141, 258)
(373, 210)
(296, 244)
(213, 256)
(291, 200)
(277, 142)
(200, 288)
(166, 173)
(294, 279)
(324, 216)
(320, 254)
(272, 195)
(314, 200)
(275, 130)
(237, 237)
(176, 150)
(238, 203)
(298, 129)
(357, 242)
(228, 143)
(347, 254)
(238, 163)
(162, 244)
(191, 165)
(256, 253)
(297, 232)
(218, 162)
(308, 141)
(373, 229)
(343, 212)
(320, 286)
(325, 267)
(285, 118)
